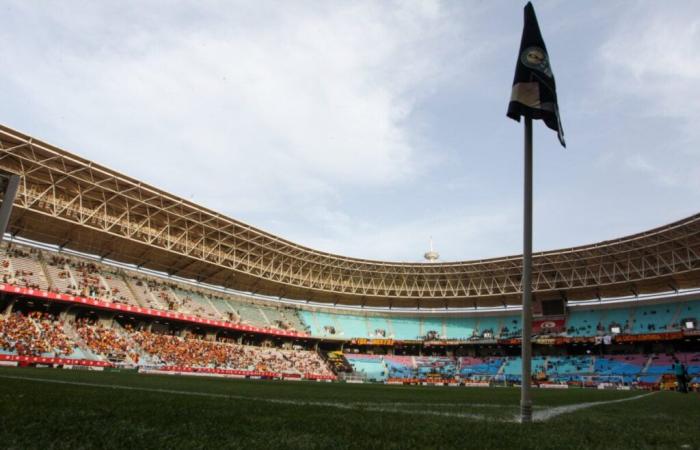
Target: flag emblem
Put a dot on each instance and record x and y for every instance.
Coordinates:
(536, 58)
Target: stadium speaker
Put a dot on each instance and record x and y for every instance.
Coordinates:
(554, 307)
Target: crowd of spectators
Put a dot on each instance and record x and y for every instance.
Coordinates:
(42, 334)
(187, 299)
(87, 279)
(105, 341)
(165, 296)
(194, 351)
(18, 276)
(66, 274)
(35, 334)
(87, 276)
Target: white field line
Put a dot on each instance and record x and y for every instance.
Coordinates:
(452, 404)
(338, 405)
(538, 416)
(547, 414)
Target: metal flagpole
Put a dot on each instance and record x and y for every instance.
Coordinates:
(526, 344)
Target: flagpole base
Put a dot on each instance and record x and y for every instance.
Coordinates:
(526, 413)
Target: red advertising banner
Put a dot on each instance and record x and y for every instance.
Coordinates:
(648, 337)
(364, 341)
(47, 360)
(202, 370)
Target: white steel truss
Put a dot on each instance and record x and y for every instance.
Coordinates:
(69, 201)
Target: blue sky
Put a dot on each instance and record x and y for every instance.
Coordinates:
(364, 128)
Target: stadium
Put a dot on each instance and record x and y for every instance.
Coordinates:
(103, 273)
(131, 316)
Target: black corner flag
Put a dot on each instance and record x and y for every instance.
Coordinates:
(534, 93)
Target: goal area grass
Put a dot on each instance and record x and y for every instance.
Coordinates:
(52, 408)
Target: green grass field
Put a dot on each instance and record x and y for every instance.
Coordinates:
(46, 408)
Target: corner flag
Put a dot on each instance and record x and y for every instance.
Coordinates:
(534, 93)
(533, 96)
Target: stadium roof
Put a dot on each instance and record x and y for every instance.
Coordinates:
(74, 203)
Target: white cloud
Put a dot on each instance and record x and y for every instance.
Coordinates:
(341, 125)
(313, 98)
(264, 113)
(652, 65)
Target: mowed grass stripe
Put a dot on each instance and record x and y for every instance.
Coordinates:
(363, 406)
(382, 407)
(38, 415)
(335, 392)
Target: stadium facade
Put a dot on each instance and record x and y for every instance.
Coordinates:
(122, 264)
